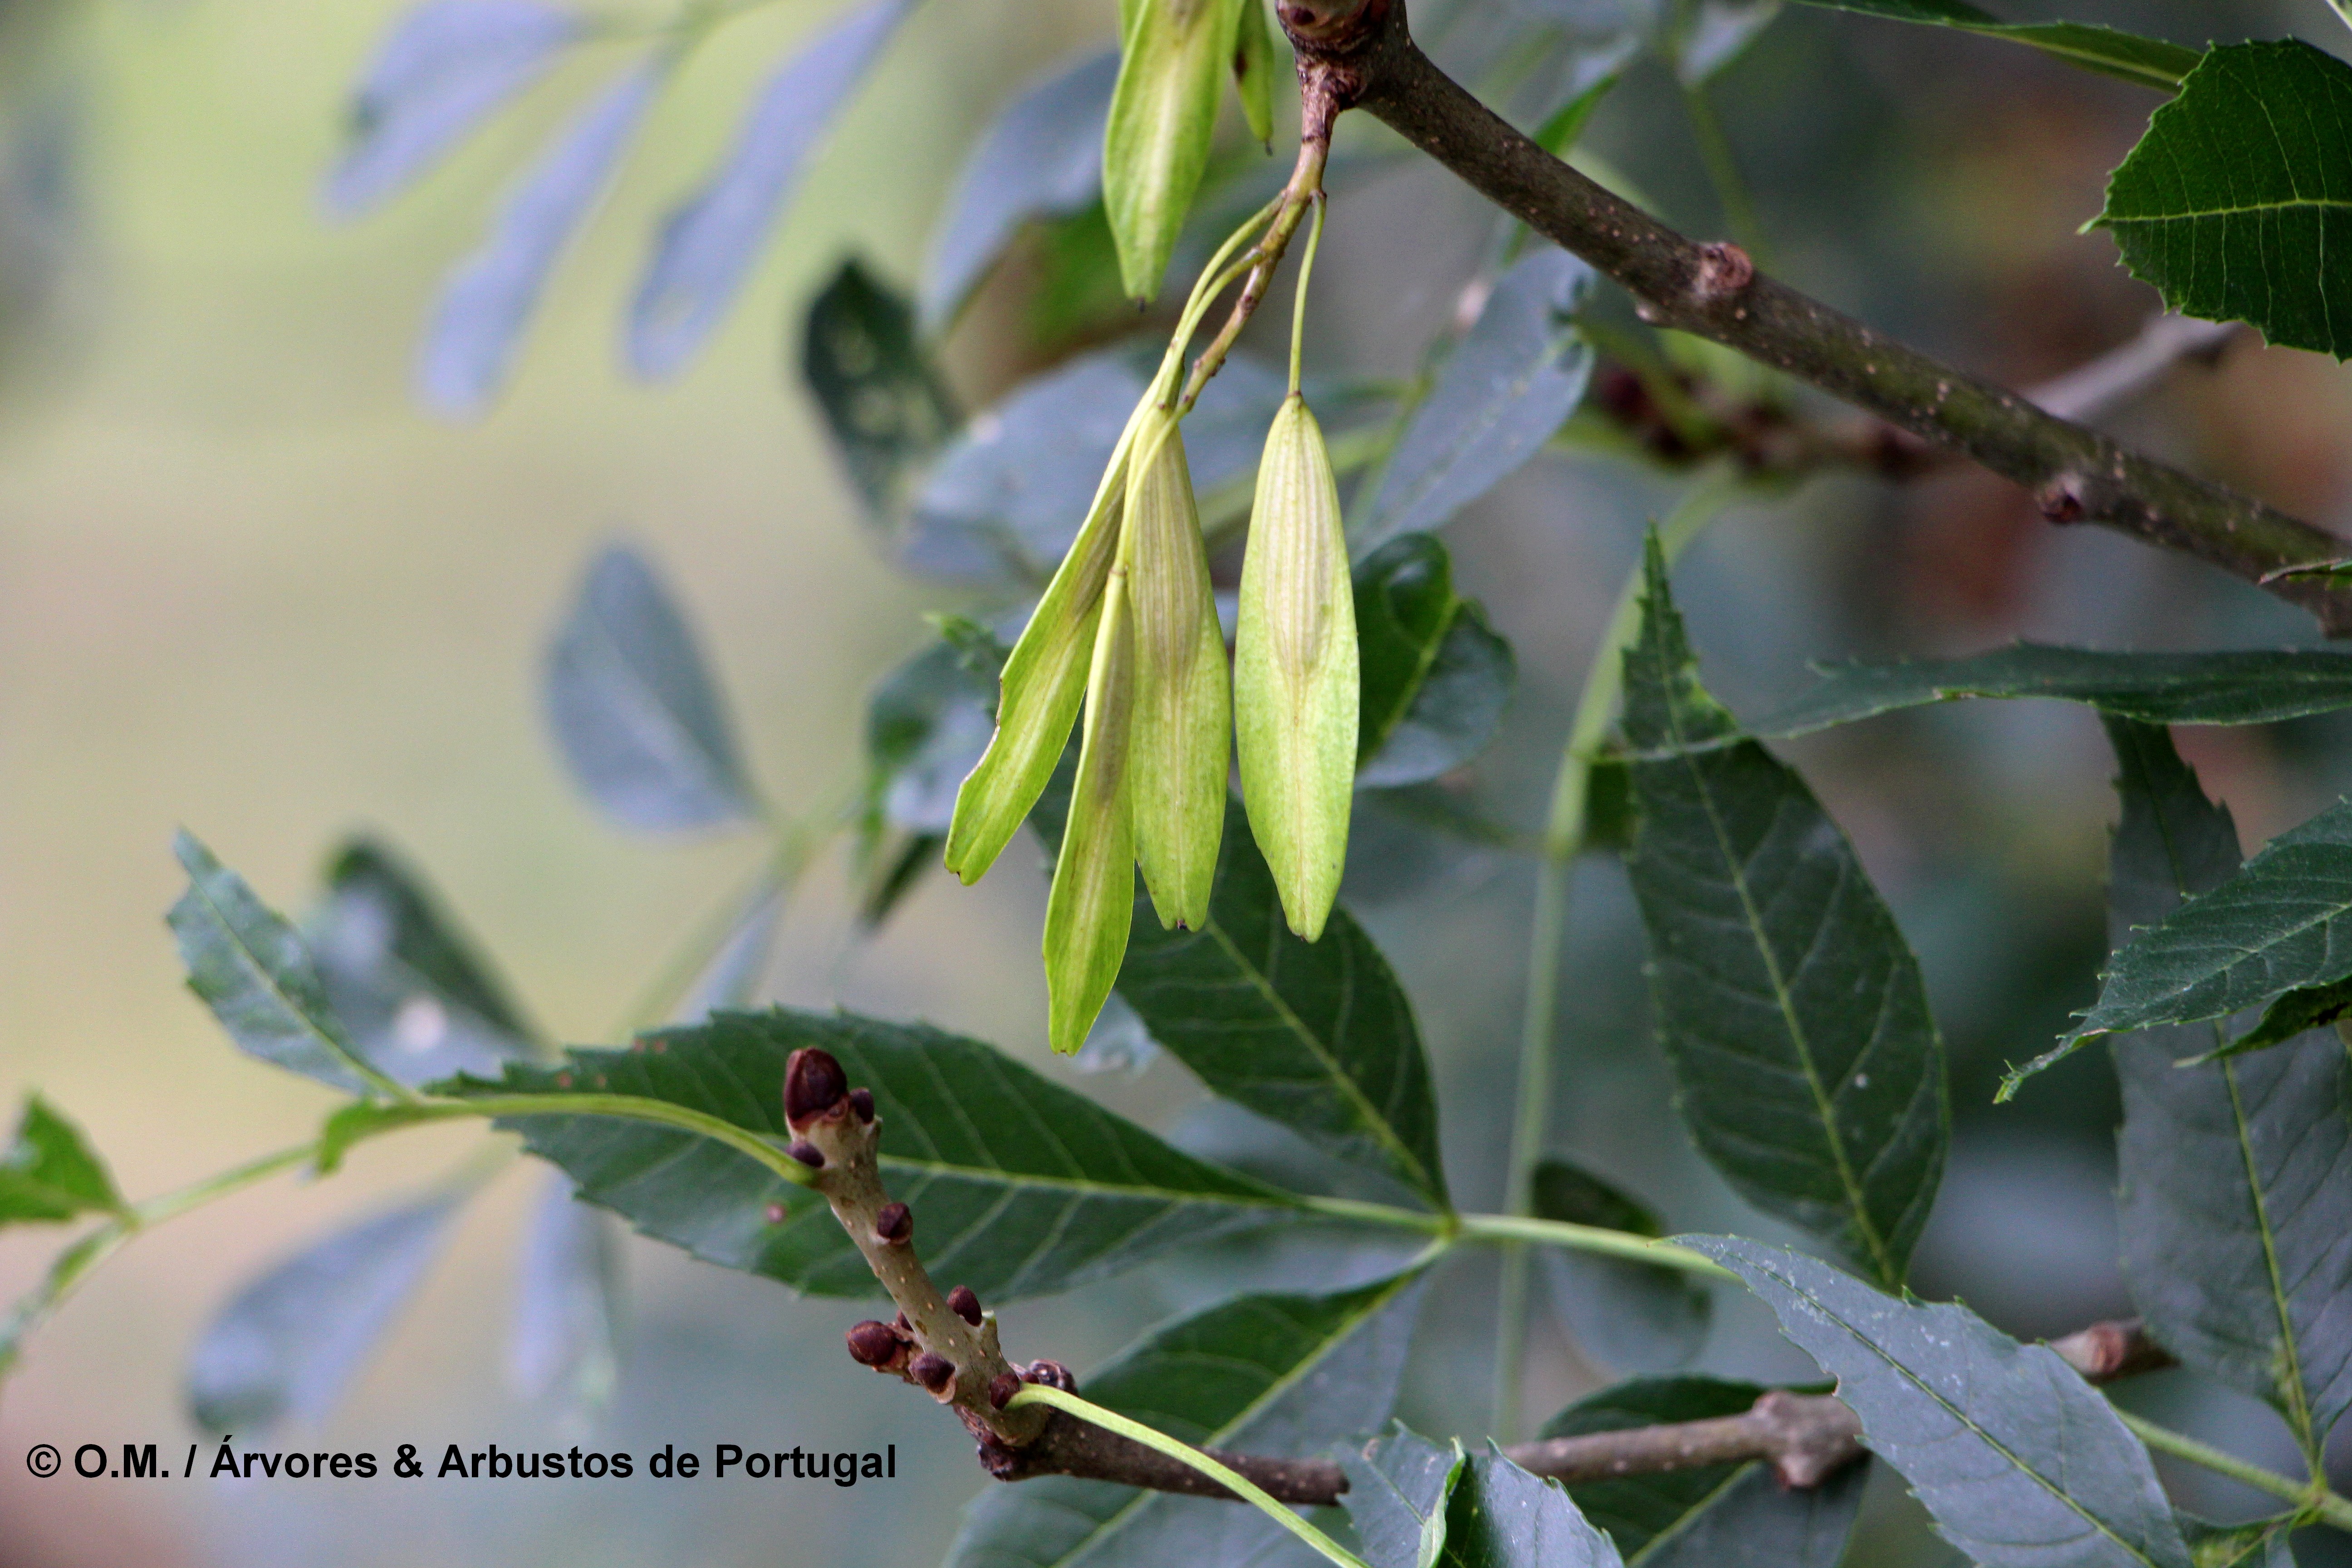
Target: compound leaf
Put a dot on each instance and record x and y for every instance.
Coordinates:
(1018, 1186)
(2278, 925)
(1790, 1007)
(2235, 1201)
(634, 710)
(2022, 1464)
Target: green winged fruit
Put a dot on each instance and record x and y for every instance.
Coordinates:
(1295, 687)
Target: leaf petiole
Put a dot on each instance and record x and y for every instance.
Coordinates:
(1184, 1453)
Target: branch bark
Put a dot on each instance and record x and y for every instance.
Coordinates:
(1362, 54)
(947, 1346)
(1805, 1438)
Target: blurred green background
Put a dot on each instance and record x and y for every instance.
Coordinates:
(247, 587)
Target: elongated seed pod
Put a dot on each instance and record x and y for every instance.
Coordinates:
(1045, 679)
(1183, 699)
(1173, 56)
(1093, 901)
(1294, 671)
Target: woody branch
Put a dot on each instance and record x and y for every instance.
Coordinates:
(947, 1345)
(1360, 54)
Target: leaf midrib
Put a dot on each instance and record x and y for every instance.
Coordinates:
(2242, 210)
(1368, 1115)
(2298, 1414)
(1084, 1187)
(251, 961)
(1824, 1108)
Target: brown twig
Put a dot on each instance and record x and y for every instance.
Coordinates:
(1365, 57)
(1317, 109)
(946, 1345)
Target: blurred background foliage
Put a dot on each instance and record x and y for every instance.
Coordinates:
(247, 586)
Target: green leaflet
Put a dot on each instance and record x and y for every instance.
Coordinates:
(2281, 924)
(1018, 1186)
(639, 720)
(1498, 1516)
(1316, 1036)
(884, 402)
(48, 1173)
(2150, 62)
(1173, 57)
(2235, 1194)
(255, 973)
(2237, 204)
(1790, 1007)
(1717, 1516)
(1295, 683)
(1179, 748)
(1436, 677)
(1283, 1374)
(289, 1342)
(1397, 1486)
(409, 989)
(2022, 1464)
(2252, 687)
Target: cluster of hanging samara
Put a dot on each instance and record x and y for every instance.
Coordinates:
(1128, 628)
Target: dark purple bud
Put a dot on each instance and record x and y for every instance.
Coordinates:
(807, 1153)
(861, 1100)
(872, 1343)
(814, 1084)
(1002, 1388)
(1052, 1373)
(964, 1304)
(905, 1327)
(895, 1224)
(933, 1371)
